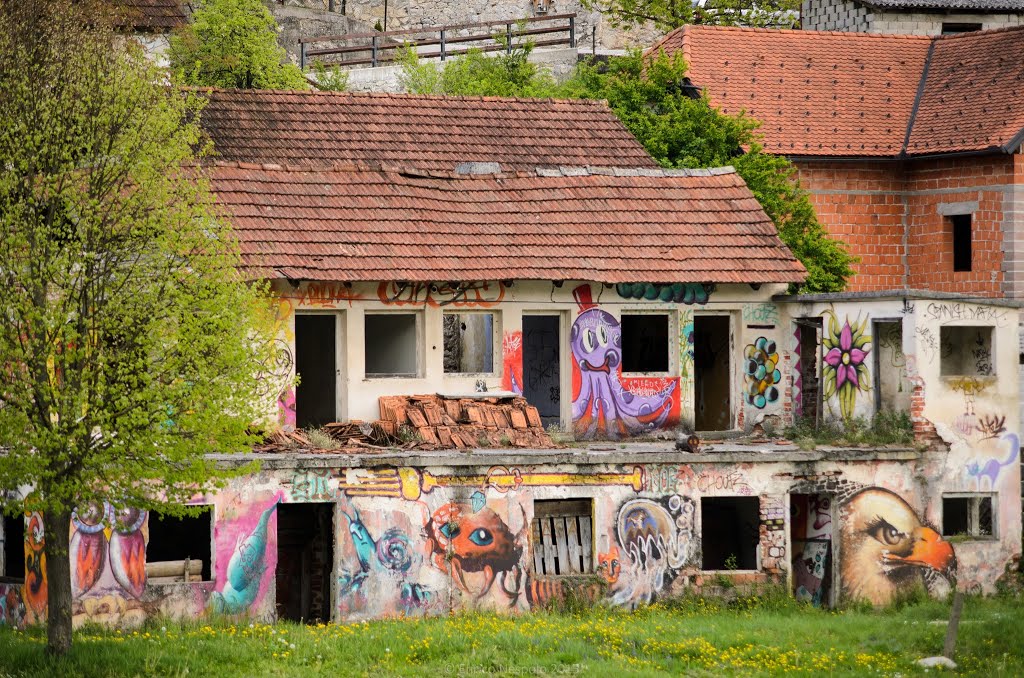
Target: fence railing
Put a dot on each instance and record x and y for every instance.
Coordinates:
(378, 48)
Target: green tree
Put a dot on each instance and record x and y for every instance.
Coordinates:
(130, 346)
(671, 14)
(232, 43)
(475, 73)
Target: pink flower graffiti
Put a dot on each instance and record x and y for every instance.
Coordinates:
(844, 369)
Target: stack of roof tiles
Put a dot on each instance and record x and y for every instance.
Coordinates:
(463, 423)
(611, 226)
(317, 129)
(863, 94)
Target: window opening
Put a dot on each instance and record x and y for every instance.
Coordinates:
(315, 355)
(645, 342)
(965, 351)
(13, 564)
(730, 531)
(961, 242)
(468, 343)
(968, 515)
(179, 547)
(562, 536)
(391, 345)
(542, 366)
(305, 561)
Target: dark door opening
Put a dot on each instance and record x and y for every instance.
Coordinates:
(13, 563)
(541, 366)
(315, 351)
(712, 370)
(729, 532)
(305, 561)
(808, 392)
(810, 534)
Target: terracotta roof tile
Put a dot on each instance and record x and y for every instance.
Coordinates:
(852, 94)
(423, 132)
(611, 226)
(156, 16)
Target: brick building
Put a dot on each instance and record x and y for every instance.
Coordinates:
(910, 146)
(910, 17)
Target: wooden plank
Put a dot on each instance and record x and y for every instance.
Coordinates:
(587, 544)
(563, 507)
(538, 548)
(563, 549)
(549, 548)
(572, 529)
(173, 568)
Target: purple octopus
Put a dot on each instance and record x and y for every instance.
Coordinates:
(604, 406)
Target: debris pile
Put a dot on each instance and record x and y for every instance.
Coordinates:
(425, 422)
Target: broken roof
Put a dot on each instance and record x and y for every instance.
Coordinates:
(152, 16)
(418, 131)
(863, 94)
(360, 224)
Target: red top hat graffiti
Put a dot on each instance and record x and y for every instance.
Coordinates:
(583, 297)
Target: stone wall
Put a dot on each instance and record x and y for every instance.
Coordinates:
(849, 15)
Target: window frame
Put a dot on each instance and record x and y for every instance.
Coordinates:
(959, 224)
(973, 516)
(418, 374)
(210, 510)
(944, 360)
(496, 347)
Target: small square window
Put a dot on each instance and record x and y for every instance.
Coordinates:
(645, 342)
(961, 242)
(965, 351)
(179, 548)
(392, 346)
(469, 343)
(970, 515)
(730, 532)
(562, 537)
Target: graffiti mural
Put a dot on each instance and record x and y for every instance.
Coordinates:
(886, 549)
(464, 538)
(845, 373)
(657, 538)
(512, 362)
(602, 405)
(245, 567)
(34, 594)
(392, 554)
(676, 293)
(992, 467)
(104, 536)
(812, 545)
(760, 374)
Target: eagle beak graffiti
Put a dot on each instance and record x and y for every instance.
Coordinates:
(929, 550)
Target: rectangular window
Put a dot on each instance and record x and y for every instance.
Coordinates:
(469, 343)
(961, 242)
(969, 515)
(948, 28)
(965, 351)
(645, 342)
(562, 537)
(179, 548)
(730, 531)
(392, 346)
(12, 567)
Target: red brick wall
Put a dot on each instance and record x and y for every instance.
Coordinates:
(873, 204)
(930, 243)
(859, 203)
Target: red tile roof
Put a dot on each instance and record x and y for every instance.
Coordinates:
(571, 224)
(156, 16)
(425, 132)
(853, 94)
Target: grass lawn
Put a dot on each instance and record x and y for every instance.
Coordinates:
(692, 637)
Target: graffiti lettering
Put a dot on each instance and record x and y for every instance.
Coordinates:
(732, 481)
(957, 312)
(326, 295)
(312, 485)
(473, 295)
(929, 343)
(761, 314)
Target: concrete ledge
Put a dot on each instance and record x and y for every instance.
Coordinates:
(597, 454)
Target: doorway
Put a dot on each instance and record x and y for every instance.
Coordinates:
(712, 366)
(810, 527)
(305, 561)
(891, 384)
(315, 356)
(807, 401)
(542, 369)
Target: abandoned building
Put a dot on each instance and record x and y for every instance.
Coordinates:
(470, 300)
(910, 17)
(909, 146)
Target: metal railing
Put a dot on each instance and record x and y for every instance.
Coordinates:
(381, 47)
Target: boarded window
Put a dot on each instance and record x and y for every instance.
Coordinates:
(645, 342)
(961, 242)
(391, 345)
(966, 351)
(729, 533)
(469, 343)
(179, 548)
(562, 537)
(12, 565)
(968, 515)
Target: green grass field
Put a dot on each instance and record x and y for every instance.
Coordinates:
(691, 637)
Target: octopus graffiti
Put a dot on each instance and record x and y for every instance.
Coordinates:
(602, 405)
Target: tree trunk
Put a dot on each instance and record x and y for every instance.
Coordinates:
(58, 582)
